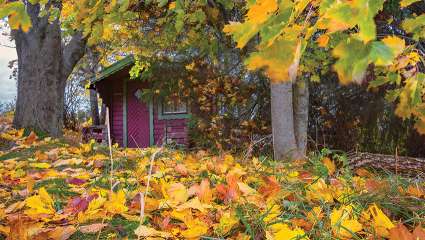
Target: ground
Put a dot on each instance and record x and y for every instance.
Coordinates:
(51, 189)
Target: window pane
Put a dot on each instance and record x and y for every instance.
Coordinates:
(170, 106)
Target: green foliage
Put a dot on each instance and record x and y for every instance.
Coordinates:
(286, 30)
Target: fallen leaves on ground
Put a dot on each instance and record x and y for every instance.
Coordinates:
(51, 190)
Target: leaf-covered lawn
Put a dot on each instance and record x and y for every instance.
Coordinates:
(50, 190)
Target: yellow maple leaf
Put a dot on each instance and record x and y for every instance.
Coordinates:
(116, 203)
(330, 165)
(40, 204)
(273, 211)
(175, 193)
(184, 215)
(94, 210)
(194, 204)
(195, 229)
(40, 165)
(261, 11)
(344, 224)
(284, 232)
(227, 221)
(320, 191)
(381, 223)
(315, 214)
(396, 44)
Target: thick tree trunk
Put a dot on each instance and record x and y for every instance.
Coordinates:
(44, 64)
(283, 129)
(289, 103)
(94, 109)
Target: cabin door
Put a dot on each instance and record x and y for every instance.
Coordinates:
(137, 117)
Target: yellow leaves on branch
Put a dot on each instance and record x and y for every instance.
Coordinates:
(259, 12)
(17, 15)
(323, 40)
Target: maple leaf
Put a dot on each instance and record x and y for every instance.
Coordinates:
(330, 165)
(416, 191)
(228, 192)
(227, 221)
(40, 204)
(196, 229)
(175, 193)
(283, 231)
(343, 223)
(194, 204)
(143, 231)
(381, 222)
(94, 210)
(30, 139)
(419, 233)
(400, 232)
(202, 191)
(78, 204)
(270, 187)
(116, 203)
(92, 228)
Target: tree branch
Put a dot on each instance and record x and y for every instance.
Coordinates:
(72, 53)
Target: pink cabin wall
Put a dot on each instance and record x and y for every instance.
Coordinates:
(177, 129)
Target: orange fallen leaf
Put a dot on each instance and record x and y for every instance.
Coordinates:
(181, 169)
(92, 228)
(270, 188)
(419, 233)
(415, 191)
(400, 232)
(30, 139)
(203, 191)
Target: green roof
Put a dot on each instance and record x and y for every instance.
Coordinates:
(117, 66)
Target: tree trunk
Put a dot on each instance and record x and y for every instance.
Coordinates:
(94, 109)
(289, 103)
(301, 102)
(44, 64)
(102, 117)
(283, 129)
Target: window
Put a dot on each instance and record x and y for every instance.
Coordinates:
(173, 106)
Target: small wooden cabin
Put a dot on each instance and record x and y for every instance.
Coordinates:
(137, 122)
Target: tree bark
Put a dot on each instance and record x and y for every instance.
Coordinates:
(44, 64)
(102, 116)
(283, 129)
(93, 59)
(289, 103)
(94, 109)
(301, 102)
